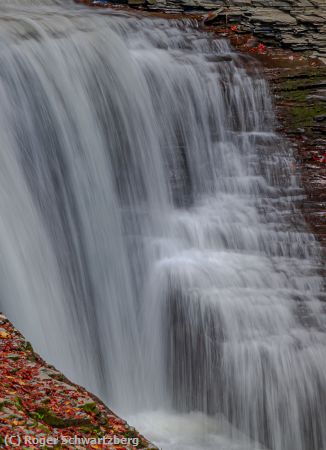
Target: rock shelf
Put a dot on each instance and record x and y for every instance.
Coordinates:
(296, 24)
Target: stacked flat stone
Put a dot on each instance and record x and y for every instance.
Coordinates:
(296, 24)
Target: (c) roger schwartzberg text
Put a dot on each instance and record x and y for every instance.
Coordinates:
(17, 441)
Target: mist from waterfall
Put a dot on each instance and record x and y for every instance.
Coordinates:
(151, 243)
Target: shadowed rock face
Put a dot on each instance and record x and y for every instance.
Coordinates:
(196, 358)
(299, 87)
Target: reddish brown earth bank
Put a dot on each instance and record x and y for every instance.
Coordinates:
(41, 408)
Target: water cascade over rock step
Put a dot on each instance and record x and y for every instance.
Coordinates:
(146, 210)
(296, 24)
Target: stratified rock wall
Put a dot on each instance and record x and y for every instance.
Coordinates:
(296, 24)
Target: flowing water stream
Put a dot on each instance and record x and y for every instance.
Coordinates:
(149, 239)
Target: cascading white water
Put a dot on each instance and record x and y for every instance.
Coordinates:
(150, 243)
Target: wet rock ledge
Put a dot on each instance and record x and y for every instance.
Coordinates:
(296, 73)
(299, 90)
(296, 24)
(41, 408)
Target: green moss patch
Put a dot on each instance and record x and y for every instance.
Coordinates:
(48, 417)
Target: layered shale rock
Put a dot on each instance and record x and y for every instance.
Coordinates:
(296, 24)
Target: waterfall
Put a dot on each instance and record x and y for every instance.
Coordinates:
(151, 242)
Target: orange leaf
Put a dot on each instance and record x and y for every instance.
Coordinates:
(4, 335)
